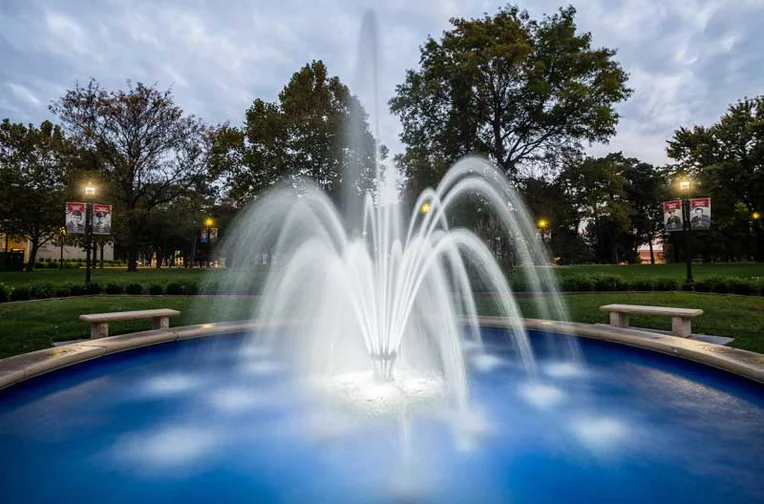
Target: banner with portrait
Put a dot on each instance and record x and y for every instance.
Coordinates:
(75, 217)
(672, 215)
(208, 234)
(700, 213)
(101, 219)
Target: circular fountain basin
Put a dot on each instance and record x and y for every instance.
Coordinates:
(202, 421)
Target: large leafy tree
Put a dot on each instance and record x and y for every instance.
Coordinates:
(645, 190)
(306, 134)
(519, 90)
(595, 187)
(34, 163)
(147, 150)
(726, 160)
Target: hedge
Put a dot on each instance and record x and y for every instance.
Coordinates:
(575, 283)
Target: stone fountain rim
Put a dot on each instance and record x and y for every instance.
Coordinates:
(21, 367)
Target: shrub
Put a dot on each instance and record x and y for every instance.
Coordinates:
(175, 289)
(5, 293)
(52, 265)
(642, 284)
(156, 290)
(665, 284)
(718, 284)
(134, 289)
(77, 290)
(94, 288)
(40, 265)
(190, 287)
(606, 283)
(743, 286)
(20, 294)
(209, 288)
(63, 291)
(114, 288)
(42, 290)
(577, 283)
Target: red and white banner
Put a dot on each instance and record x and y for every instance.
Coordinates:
(700, 213)
(101, 219)
(75, 217)
(672, 215)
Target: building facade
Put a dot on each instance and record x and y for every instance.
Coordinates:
(52, 250)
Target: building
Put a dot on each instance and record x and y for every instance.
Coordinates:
(52, 250)
(644, 252)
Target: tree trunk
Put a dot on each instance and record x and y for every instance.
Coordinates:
(132, 244)
(193, 250)
(652, 254)
(34, 245)
(102, 244)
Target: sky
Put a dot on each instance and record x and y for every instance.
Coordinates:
(688, 60)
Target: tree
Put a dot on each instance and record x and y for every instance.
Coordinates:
(727, 161)
(305, 134)
(33, 176)
(520, 91)
(595, 187)
(645, 190)
(148, 150)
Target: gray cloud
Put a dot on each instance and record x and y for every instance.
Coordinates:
(688, 59)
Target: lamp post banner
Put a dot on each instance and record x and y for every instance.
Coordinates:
(101, 219)
(75, 217)
(700, 213)
(203, 235)
(213, 234)
(672, 215)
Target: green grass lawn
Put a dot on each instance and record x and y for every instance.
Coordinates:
(675, 271)
(102, 277)
(28, 326)
(163, 277)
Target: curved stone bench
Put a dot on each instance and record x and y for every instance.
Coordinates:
(681, 324)
(160, 319)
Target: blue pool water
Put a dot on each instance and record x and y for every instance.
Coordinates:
(186, 422)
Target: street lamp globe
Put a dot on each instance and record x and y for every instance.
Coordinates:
(684, 185)
(90, 190)
(756, 215)
(543, 223)
(425, 208)
(209, 222)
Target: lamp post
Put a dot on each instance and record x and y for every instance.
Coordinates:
(90, 191)
(543, 226)
(61, 243)
(684, 189)
(756, 217)
(209, 223)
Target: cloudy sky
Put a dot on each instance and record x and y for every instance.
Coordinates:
(687, 59)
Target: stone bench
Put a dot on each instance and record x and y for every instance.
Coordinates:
(160, 319)
(680, 317)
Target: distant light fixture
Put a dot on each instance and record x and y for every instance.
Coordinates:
(756, 215)
(209, 222)
(543, 224)
(90, 189)
(425, 208)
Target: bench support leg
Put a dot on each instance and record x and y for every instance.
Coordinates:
(160, 323)
(681, 327)
(99, 330)
(619, 319)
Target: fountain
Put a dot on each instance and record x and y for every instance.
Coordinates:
(365, 373)
(402, 287)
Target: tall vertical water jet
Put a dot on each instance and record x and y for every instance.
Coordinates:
(365, 289)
